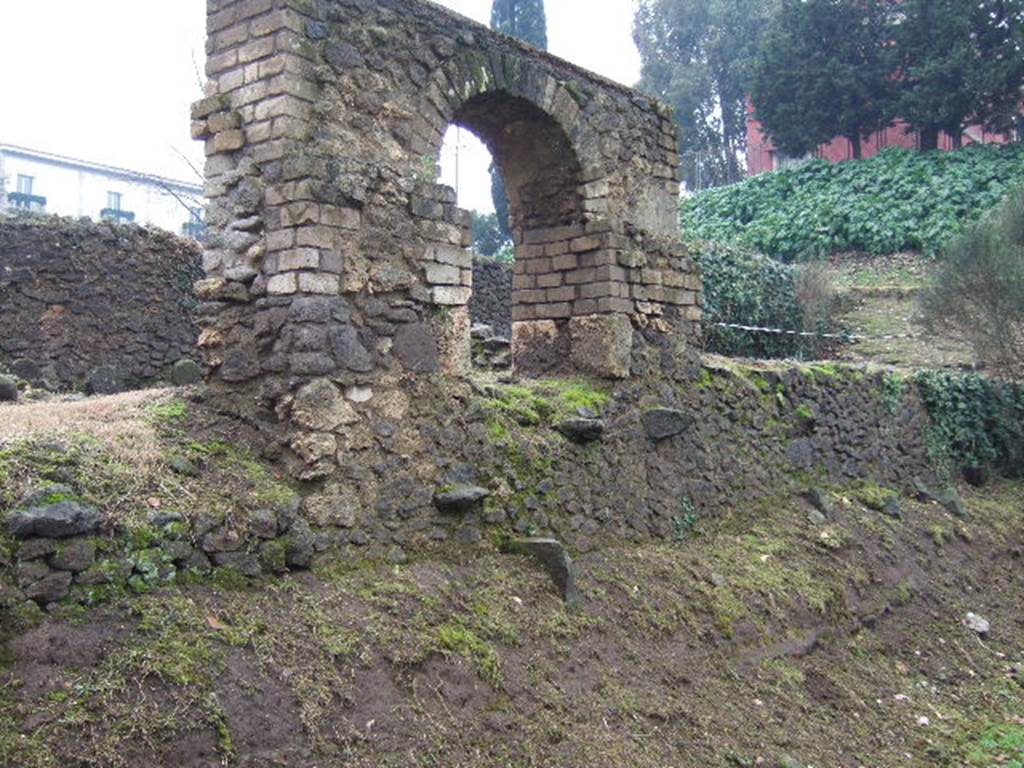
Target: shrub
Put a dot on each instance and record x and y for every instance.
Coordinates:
(897, 201)
(745, 288)
(976, 423)
(978, 294)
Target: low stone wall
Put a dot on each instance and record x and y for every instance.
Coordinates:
(491, 302)
(444, 460)
(79, 296)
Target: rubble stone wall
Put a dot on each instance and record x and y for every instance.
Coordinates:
(76, 296)
(491, 303)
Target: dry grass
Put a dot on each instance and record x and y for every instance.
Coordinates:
(118, 423)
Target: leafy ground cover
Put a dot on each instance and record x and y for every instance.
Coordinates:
(897, 201)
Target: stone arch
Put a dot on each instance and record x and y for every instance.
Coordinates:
(334, 253)
(542, 171)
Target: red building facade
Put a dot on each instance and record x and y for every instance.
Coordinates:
(762, 155)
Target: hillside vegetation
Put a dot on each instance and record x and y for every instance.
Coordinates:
(897, 201)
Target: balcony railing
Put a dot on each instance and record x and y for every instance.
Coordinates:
(117, 215)
(25, 202)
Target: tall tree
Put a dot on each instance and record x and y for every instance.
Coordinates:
(959, 64)
(697, 56)
(526, 20)
(825, 69)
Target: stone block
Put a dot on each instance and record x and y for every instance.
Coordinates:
(447, 295)
(602, 345)
(282, 285)
(311, 282)
(298, 258)
(443, 274)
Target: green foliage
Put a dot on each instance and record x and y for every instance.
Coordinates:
(746, 288)
(975, 422)
(524, 19)
(172, 413)
(489, 237)
(1000, 745)
(824, 69)
(897, 201)
(978, 294)
(458, 638)
(696, 56)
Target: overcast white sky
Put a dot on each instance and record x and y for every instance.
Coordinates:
(111, 81)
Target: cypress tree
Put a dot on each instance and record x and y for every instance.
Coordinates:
(526, 20)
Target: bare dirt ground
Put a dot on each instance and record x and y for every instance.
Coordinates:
(879, 299)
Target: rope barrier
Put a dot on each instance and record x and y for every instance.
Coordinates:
(812, 334)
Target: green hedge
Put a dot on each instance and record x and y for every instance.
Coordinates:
(898, 201)
(977, 422)
(746, 288)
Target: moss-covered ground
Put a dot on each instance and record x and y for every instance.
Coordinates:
(756, 638)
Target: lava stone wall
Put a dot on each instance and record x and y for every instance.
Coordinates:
(491, 303)
(334, 253)
(76, 296)
(452, 461)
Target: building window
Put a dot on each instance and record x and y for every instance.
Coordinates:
(114, 212)
(24, 199)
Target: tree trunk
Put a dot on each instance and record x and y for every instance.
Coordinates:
(929, 139)
(958, 139)
(858, 153)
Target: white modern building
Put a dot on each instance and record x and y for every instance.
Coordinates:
(47, 183)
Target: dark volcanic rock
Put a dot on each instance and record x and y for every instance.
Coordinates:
(663, 423)
(54, 521)
(50, 589)
(105, 380)
(460, 499)
(582, 430)
(555, 560)
(186, 372)
(8, 389)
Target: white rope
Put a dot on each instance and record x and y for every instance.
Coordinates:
(812, 334)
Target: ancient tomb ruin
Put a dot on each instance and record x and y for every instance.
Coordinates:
(334, 252)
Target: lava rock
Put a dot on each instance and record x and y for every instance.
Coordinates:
(26, 370)
(263, 524)
(54, 521)
(105, 380)
(76, 556)
(416, 348)
(8, 389)
(821, 500)
(555, 560)
(460, 499)
(186, 372)
(301, 545)
(50, 589)
(582, 431)
(245, 563)
(663, 423)
(33, 549)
